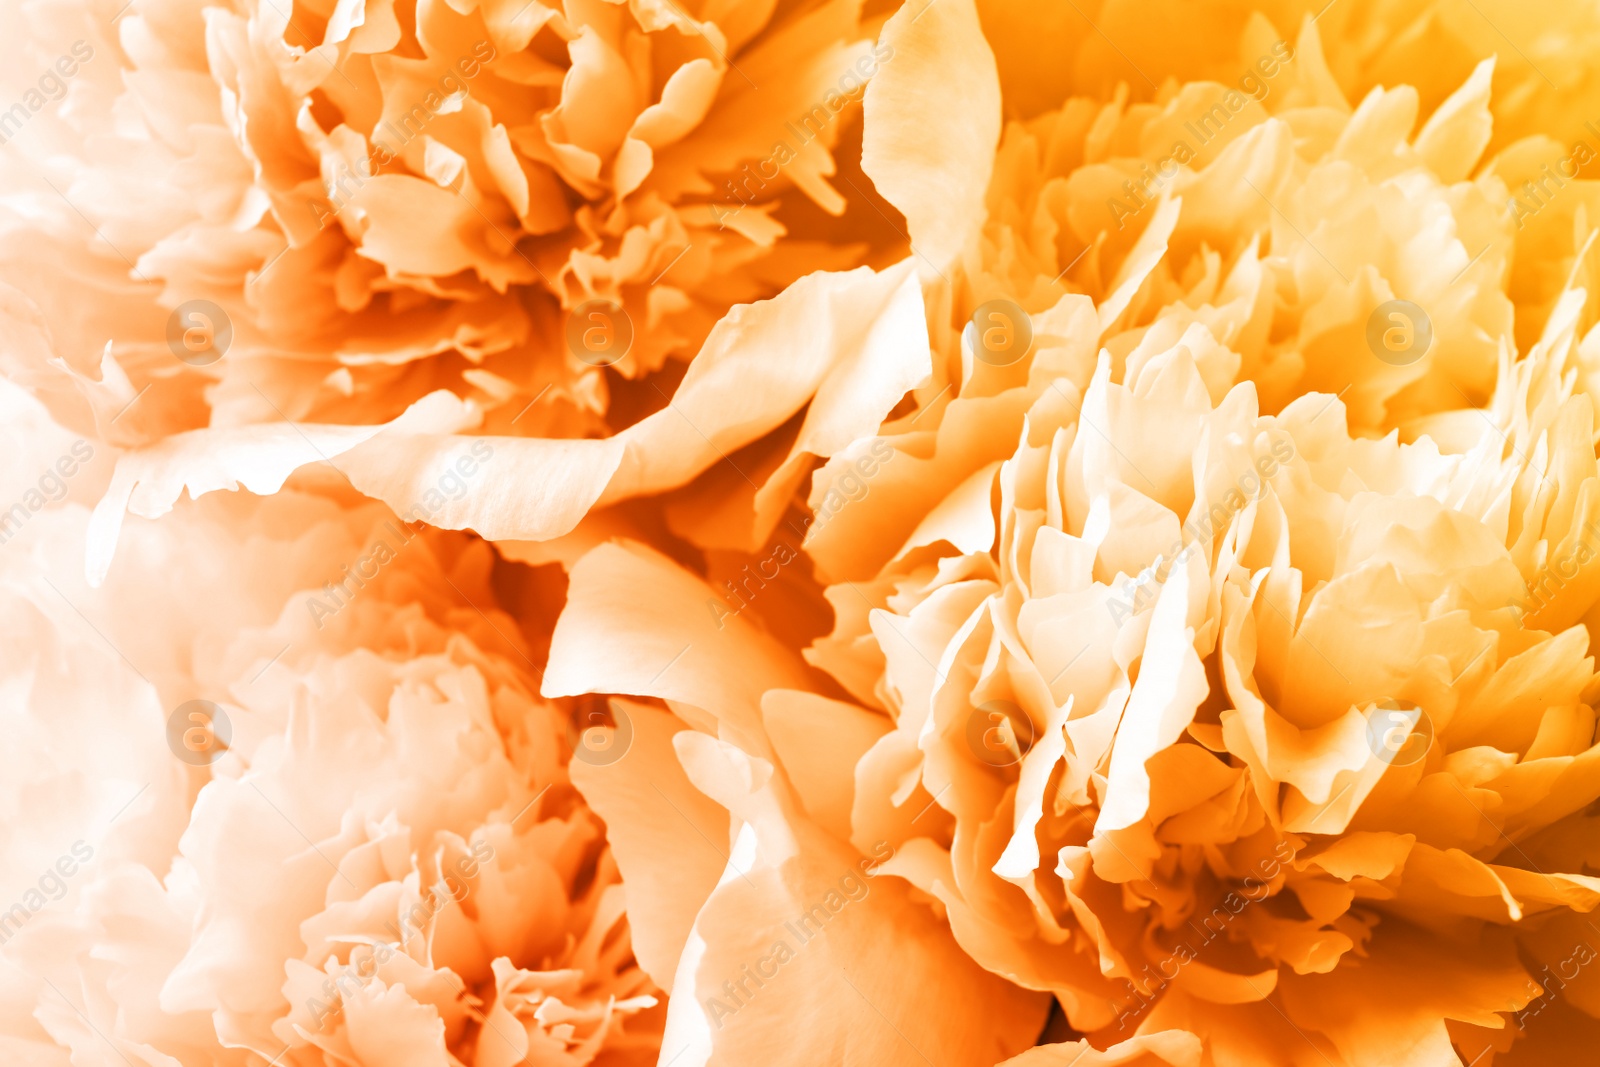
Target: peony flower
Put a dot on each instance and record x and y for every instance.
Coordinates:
(1236, 723)
(1150, 744)
(355, 204)
(1173, 680)
(303, 223)
(778, 382)
(321, 818)
(1120, 591)
(1282, 243)
(727, 790)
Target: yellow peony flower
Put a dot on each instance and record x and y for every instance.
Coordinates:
(1170, 676)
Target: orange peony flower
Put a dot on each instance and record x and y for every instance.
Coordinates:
(1162, 669)
(303, 216)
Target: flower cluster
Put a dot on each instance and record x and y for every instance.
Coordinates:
(1120, 591)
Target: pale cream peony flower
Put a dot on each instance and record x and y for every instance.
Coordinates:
(371, 851)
